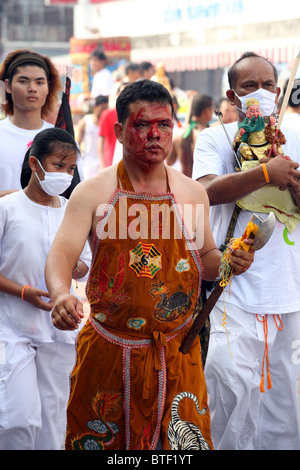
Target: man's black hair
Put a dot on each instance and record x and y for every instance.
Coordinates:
(142, 90)
(132, 66)
(98, 54)
(101, 100)
(232, 72)
(145, 66)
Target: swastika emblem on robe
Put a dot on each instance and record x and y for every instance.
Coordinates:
(145, 260)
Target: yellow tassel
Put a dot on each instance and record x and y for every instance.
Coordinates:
(225, 271)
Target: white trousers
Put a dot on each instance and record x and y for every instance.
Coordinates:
(34, 392)
(242, 416)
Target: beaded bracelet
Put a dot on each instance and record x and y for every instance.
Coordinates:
(23, 291)
(265, 172)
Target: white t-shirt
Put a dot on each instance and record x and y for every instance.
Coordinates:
(14, 144)
(102, 83)
(27, 230)
(291, 120)
(272, 284)
(90, 158)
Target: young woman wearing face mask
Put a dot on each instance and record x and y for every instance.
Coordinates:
(36, 359)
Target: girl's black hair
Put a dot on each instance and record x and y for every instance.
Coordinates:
(45, 143)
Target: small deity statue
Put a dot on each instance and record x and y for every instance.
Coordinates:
(160, 76)
(255, 136)
(254, 141)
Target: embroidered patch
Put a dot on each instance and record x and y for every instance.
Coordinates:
(100, 317)
(158, 288)
(102, 432)
(145, 260)
(170, 308)
(106, 290)
(145, 442)
(183, 265)
(136, 323)
(183, 435)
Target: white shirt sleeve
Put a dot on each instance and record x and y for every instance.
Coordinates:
(211, 152)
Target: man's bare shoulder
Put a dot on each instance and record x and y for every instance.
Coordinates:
(185, 189)
(97, 189)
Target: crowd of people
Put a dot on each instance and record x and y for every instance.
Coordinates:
(131, 386)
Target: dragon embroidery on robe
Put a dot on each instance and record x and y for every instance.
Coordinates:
(105, 291)
(101, 432)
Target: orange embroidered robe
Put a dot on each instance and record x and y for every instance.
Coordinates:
(131, 385)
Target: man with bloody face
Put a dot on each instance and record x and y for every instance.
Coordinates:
(131, 387)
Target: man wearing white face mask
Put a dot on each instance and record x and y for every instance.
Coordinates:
(252, 383)
(266, 100)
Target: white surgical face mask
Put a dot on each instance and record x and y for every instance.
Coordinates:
(266, 101)
(54, 183)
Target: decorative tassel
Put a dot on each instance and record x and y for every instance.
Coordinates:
(269, 380)
(262, 386)
(225, 271)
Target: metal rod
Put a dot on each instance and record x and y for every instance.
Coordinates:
(220, 115)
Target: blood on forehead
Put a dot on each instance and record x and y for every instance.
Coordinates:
(150, 112)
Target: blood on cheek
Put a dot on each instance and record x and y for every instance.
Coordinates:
(135, 141)
(140, 131)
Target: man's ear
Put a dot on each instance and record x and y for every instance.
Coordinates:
(230, 95)
(278, 91)
(118, 129)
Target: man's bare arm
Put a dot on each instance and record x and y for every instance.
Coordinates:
(68, 244)
(210, 255)
(233, 186)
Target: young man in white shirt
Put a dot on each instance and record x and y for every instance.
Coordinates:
(32, 85)
(102, 77)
